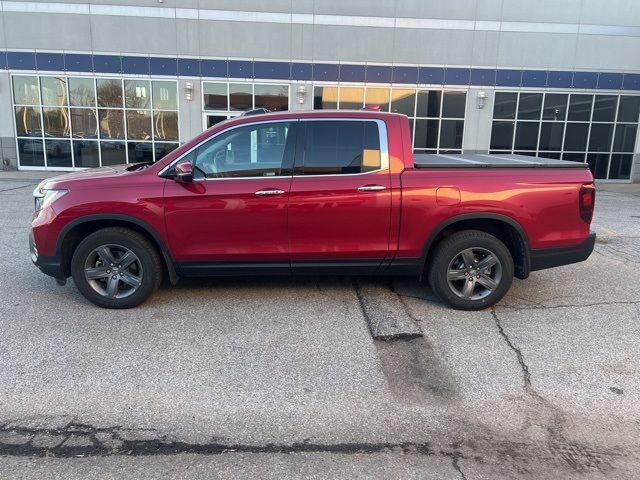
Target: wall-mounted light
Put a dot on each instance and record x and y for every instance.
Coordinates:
(302, 92)
(188, 91)
(481, 97)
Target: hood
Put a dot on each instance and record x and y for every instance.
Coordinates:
(91, 174)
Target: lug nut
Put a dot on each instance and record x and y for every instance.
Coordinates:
(108, 271)
(114, 277)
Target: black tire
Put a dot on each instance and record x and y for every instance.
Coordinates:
(147, 268)
(449, 257)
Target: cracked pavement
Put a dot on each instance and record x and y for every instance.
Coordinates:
(282, 378)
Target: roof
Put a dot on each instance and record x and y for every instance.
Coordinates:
(479, 160)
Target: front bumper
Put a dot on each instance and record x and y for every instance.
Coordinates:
(51, 266)
(555, 257)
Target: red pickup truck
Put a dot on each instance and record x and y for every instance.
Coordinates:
(325, 192)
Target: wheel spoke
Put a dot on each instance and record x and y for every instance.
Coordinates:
(468, 258)
(126, 260)
(487, 282)
(456, 274)
(130, 279)
(106, 256)
(468, 288)
(96, 273)
(487, 262)
(112, 286)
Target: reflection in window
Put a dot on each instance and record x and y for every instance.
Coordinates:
(139, 124)
(58, 153)
(426, 134)
(274, 98)
(504, 105)
(113, 153)
(325, 98)
(84, 123)
(137, 94)
(403, 101)
(377, 98)
(56, 122)
(620, 166)
(428, 103)
(140, 151)
(111, 123)
(600, 139)
(163, 149)
(529, 106)
(629, 109)
(109, 92)
(82, 92)
(453, 104)
(28, 122)
(215, 96)
(351, 98)
(625, 138)
(54, 91)
(502, 135)
(451, 134)
(526, 136)
(555, 106)
(576, 137)
(165, 125)
(86, 154)
(31, 152)
(551, 136)
(580, 107)
(598, 163)
(604, 108)
(165, 95)
(240, 96)
(25, 90)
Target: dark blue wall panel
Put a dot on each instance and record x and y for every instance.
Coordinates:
(272, 70)
(457, 76)
(405, 75)
(50, 61)
(352, 73)
(214, 68)
(135, 65)
(240, 69)
(78, 62)
(612, 81)
(163, 66)
(631, 81)
(188, 67)
(21, 60)
(482, 76)
(534, 78)
(433, 75)
(302, 71)
(508, 78)
(379, 73)
(107, 64)
(326, 72)
(585, 80)
(559, 79)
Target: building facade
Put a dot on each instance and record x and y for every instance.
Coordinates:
(105, 82)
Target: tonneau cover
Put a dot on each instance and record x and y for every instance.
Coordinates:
(478, 160)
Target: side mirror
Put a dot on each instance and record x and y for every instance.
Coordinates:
(183, 172)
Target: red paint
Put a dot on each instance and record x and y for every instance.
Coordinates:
(320, 217)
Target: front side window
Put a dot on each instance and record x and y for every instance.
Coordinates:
(337, 147)
(251, 151)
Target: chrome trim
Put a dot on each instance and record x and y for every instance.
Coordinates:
(382, 132)
(271, 192)
(371, 188)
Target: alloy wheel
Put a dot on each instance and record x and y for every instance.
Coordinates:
(474, 273)
(113, 271)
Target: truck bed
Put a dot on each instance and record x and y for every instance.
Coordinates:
(477, 160)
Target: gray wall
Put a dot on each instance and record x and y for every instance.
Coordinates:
(594, 34)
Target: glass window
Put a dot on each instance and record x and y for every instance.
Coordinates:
(139, 124)
(377, 97)
(56, 122)
(240, 96)
(580, 107)
(600, 139)
(53, 91)
(341, 147)
(165, 125)
(215, 96)
(453, 104)
(554, 155)
(629, 109)
(31, 152)
(84, 123)
(504, 105)
(428, 103)
(137, 94)
(165, 95)
(113, 153)
(502, 135)
(451, 133)
(604, 108)
(551, 136)
(28, 122)
(625, 138)
(215, 119)
(82, 92)
(58, 153)
(140, 151)
(620, 166)
(274, 98)
(351, 98)
(25, 90)
(162, 149)
(111, 123)
(598, 164)
(426, 134)
(325, 98)
(575, 138)
(529, 106)
(109, 92)
(403, 101)
(526, 136)
(555, 106)
(250, 151)
(86, 154)
(573, 157)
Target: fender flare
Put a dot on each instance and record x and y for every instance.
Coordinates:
(173, 276)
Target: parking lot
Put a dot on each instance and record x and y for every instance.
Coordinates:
(280, 377)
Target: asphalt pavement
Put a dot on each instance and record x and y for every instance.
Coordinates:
(290, 378)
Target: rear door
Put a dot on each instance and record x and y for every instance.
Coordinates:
(340, 200)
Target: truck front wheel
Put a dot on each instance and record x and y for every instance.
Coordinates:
(471, 270)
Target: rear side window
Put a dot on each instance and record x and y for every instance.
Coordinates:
(335, 147)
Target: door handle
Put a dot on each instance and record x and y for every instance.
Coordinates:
(371, 188)
(269, 192)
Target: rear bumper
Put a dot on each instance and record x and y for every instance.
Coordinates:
(555, 257)
(51, 266)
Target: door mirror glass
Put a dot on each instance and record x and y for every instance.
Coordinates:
(183, 172)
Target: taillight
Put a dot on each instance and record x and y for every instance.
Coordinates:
(587, 202)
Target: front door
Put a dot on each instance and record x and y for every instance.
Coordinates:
(233, 216)
(340, 202)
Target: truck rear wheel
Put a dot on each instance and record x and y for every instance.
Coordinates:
(116, 268)
(471, 270)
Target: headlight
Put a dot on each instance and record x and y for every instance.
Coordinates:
(44, 198)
